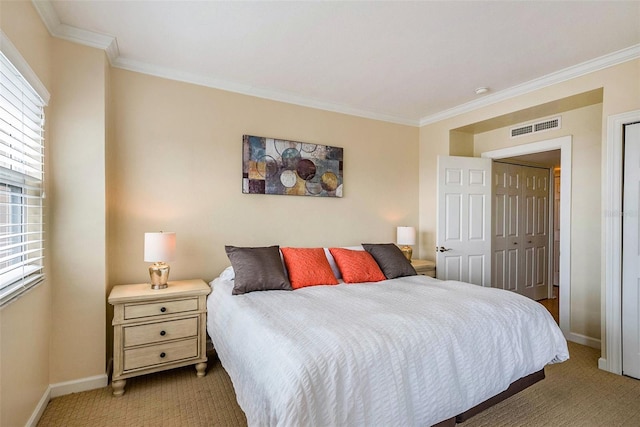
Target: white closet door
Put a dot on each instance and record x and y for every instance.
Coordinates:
(631, 254)
(507, 210)
(464, 219)
(535, 236)
(520, 252)
(556, 227)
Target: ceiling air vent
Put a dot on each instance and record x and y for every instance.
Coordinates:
(522, 130)
(544, 125)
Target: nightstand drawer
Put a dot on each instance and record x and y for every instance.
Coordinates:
(161, 331)
(155, 330)
(159, 354)
(136, 311)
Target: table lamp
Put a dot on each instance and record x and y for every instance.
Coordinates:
(406, 236)
(159, 247)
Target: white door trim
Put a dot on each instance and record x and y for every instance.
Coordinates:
(612, 230)
(564, 145)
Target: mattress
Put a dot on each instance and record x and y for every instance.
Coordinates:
(407, 351)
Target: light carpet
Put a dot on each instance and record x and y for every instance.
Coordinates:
(575, 393)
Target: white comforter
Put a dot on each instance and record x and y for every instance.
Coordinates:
(408, 351)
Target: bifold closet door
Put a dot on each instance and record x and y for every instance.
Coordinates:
(535, 236)
(507, 209)
(520, 247)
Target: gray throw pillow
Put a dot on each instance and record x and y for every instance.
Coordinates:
(257, 269)
(391, 260)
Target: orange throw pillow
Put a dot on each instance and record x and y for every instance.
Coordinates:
(357, 266)
(308, 267)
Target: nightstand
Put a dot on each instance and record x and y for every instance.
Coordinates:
(424, 267)
(155, 330)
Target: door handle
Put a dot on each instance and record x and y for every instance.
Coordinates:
(442, 249)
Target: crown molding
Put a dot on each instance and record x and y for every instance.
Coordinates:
(244, 89)
(110, 45)
(47, 14)
(76, 35)
(88, 38)
(597, 64)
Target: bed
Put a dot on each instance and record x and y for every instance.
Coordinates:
(411, 351)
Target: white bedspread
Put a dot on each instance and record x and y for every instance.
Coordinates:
(411, 351)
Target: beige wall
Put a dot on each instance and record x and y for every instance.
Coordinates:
(585, 126)
(129, 153)
(175, 165)
(77, 211)
(25, 323)
(621, 93)
(56, 333)
(110, 127)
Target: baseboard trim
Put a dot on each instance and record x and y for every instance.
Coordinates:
(584, 340)
(60, 389)
(82, 384)
(40, 407)
(603, 365)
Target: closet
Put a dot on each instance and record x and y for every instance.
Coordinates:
(520, 241)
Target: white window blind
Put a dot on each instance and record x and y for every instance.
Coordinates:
(21, 184)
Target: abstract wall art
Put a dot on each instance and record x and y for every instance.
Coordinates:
(278, 166)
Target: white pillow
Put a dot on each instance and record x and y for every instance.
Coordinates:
(228, 274)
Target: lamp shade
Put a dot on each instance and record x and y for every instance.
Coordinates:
(160, 246)
(406, 236)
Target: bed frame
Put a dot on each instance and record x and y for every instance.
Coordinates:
(514, 388)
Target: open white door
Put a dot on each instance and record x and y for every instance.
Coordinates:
(631, 254)
(464, 219)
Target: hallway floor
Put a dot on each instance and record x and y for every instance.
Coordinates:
(553, 304)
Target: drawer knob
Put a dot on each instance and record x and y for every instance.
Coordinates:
(163, 333)
(163, 309)
(163, 354)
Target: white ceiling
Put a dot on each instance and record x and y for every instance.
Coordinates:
(404, 62)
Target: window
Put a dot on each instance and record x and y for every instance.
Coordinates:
(21, 183)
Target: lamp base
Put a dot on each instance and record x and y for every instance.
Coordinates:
(159, 273)
(407, 252)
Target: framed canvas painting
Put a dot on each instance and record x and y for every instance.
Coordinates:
(279, 166)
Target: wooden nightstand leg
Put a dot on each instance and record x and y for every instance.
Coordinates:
(201, 369)
(118, 387)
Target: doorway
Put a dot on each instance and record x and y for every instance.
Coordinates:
(564, 292)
